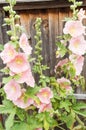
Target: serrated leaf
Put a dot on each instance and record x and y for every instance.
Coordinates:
(82, 113)
(70, 120)
(7, 107)
(21, 126)
(6, 80)
(4, 110)
(20, 114)
(10, 120)
(65, 104)
(79, 106)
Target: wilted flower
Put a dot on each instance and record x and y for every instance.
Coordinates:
(44, 95)
(61, 63)
(26, 77)
(12, 90)
(65, 84)
(24, 44)
(74, 28)
(78, 62)
(8, 53)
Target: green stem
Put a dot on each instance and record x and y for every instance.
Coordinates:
(80, 122)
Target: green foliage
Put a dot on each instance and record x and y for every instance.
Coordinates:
(20, 126)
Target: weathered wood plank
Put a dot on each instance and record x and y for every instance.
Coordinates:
(39, 4)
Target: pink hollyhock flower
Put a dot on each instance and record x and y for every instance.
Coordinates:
(78, 62)
(26, 77)
(78, 45)
(12, 90)
(65, 84)
(44, 95)
(45, 107)
(19, 63)
(21, 103)
(8, 53)
(81, 14)
(24, 44)
(74, 28)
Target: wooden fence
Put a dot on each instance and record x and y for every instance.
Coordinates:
(52, 13)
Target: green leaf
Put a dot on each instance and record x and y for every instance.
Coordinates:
(6, 80)
(1, 127)
(1, 47)
(10, 120)
(82, 113)
(46, 125)
(79, 106)
(70, 120)
(20, 113)
(7, 107)
(20, 126)
(65, 104)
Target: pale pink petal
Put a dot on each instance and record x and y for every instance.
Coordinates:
(78, 62)
(26, 77)
(45, 94)
(12, 90)
(63, 80)
(23, 104)
(81, 14)
(19, 63)
(78, 45)
(8, 53)
(65, 84)
(45, 107)
(74, 28)
(24, 44)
